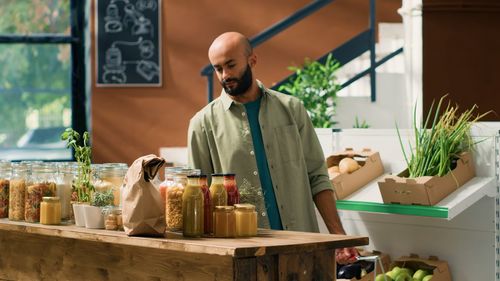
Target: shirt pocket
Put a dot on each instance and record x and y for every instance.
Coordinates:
(288, 141)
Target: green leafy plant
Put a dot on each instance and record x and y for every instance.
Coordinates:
(102, 198)
(358, 125)
(441, 139)
(315, 84)
(83, 154)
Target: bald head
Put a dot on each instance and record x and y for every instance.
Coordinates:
(231, 42)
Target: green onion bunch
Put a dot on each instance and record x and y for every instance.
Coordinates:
(441, 139)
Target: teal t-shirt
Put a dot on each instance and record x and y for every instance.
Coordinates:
(252, 109)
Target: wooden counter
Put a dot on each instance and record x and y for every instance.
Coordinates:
(39, 252)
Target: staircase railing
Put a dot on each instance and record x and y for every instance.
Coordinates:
(355, 47)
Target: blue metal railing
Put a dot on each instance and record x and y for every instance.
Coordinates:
(356, 46)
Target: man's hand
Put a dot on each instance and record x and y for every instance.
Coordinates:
(346, 255)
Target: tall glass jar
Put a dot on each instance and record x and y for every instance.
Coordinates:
(192, 208)
(65, 177)
(169, 181)
(42, 183)
(114, 173)
(173, 212)
(5, 174)
(207, 205)
(17, 191)
(224, 222)
(218, 193)
(50, 210)
(233, 196)
(246, 220)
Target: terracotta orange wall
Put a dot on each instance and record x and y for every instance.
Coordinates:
(461, 44)
(130, 122)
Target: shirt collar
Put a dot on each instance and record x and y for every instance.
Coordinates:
(227, 101)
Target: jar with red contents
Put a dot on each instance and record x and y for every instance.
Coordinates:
(233, 195)
(207, 205)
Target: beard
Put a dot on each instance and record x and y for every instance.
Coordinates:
(243, 83)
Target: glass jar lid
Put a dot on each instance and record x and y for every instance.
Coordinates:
(224, 208)
(51, 199)
(246, 207)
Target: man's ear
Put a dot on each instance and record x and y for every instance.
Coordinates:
(252, 60)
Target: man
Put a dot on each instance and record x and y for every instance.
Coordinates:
(268, 140)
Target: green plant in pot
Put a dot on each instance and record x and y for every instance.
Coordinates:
(100, 203)
(315, 84)
(102, 198)
(82, 184)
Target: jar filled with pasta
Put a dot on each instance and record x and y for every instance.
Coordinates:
(5, 174)
(17, 191)
(114, 173)
(42, 183)
(173, 212)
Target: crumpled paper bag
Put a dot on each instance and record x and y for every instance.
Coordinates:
(142, 207)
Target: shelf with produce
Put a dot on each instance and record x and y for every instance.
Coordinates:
(369, 199)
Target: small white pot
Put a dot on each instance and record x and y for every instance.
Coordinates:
(78, 211)
(94, 217)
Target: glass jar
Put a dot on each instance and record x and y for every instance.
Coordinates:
(233, 196)
(65, 177)
(246, 220)
(114, 174)
(192, 208)
(224, 222)
(218, 193)
(42, 183)
(17, 191)
(173, 214)
(50, 210)
(207, 205)
(169, 181)
(5, 174)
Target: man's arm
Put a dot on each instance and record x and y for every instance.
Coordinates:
(327, 207)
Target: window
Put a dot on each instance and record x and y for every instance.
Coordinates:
(42, 77)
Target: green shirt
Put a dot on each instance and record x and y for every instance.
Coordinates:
(219, 141)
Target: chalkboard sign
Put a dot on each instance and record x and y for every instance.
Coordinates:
(128, 42)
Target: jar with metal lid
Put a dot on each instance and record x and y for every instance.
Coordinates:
(207, 205)
(192, 208)
(224, 222)
(17, 191)
(114, 173)
(233, 196)
(5, 174)
(246, 220)
(50, 210)
(42, 183)
(173, 214)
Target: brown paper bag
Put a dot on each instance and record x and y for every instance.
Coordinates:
(143, 211)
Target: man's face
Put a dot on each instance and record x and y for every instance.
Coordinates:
(237, 86)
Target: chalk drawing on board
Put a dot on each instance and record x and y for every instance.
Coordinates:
(140, 25)
(112, 20)
(115, 67)
(142, 5)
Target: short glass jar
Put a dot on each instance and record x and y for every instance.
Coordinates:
(50, 210)
(246, 220)
(224, 222)
(5, 174)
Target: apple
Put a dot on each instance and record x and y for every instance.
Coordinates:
(403, 276)
(383, 277)
(395, 271)
(420, 274)
(427, 278)
(407, 270)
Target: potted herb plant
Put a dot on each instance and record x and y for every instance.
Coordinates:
(315, 84)
(94, 213)
(82, 185)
